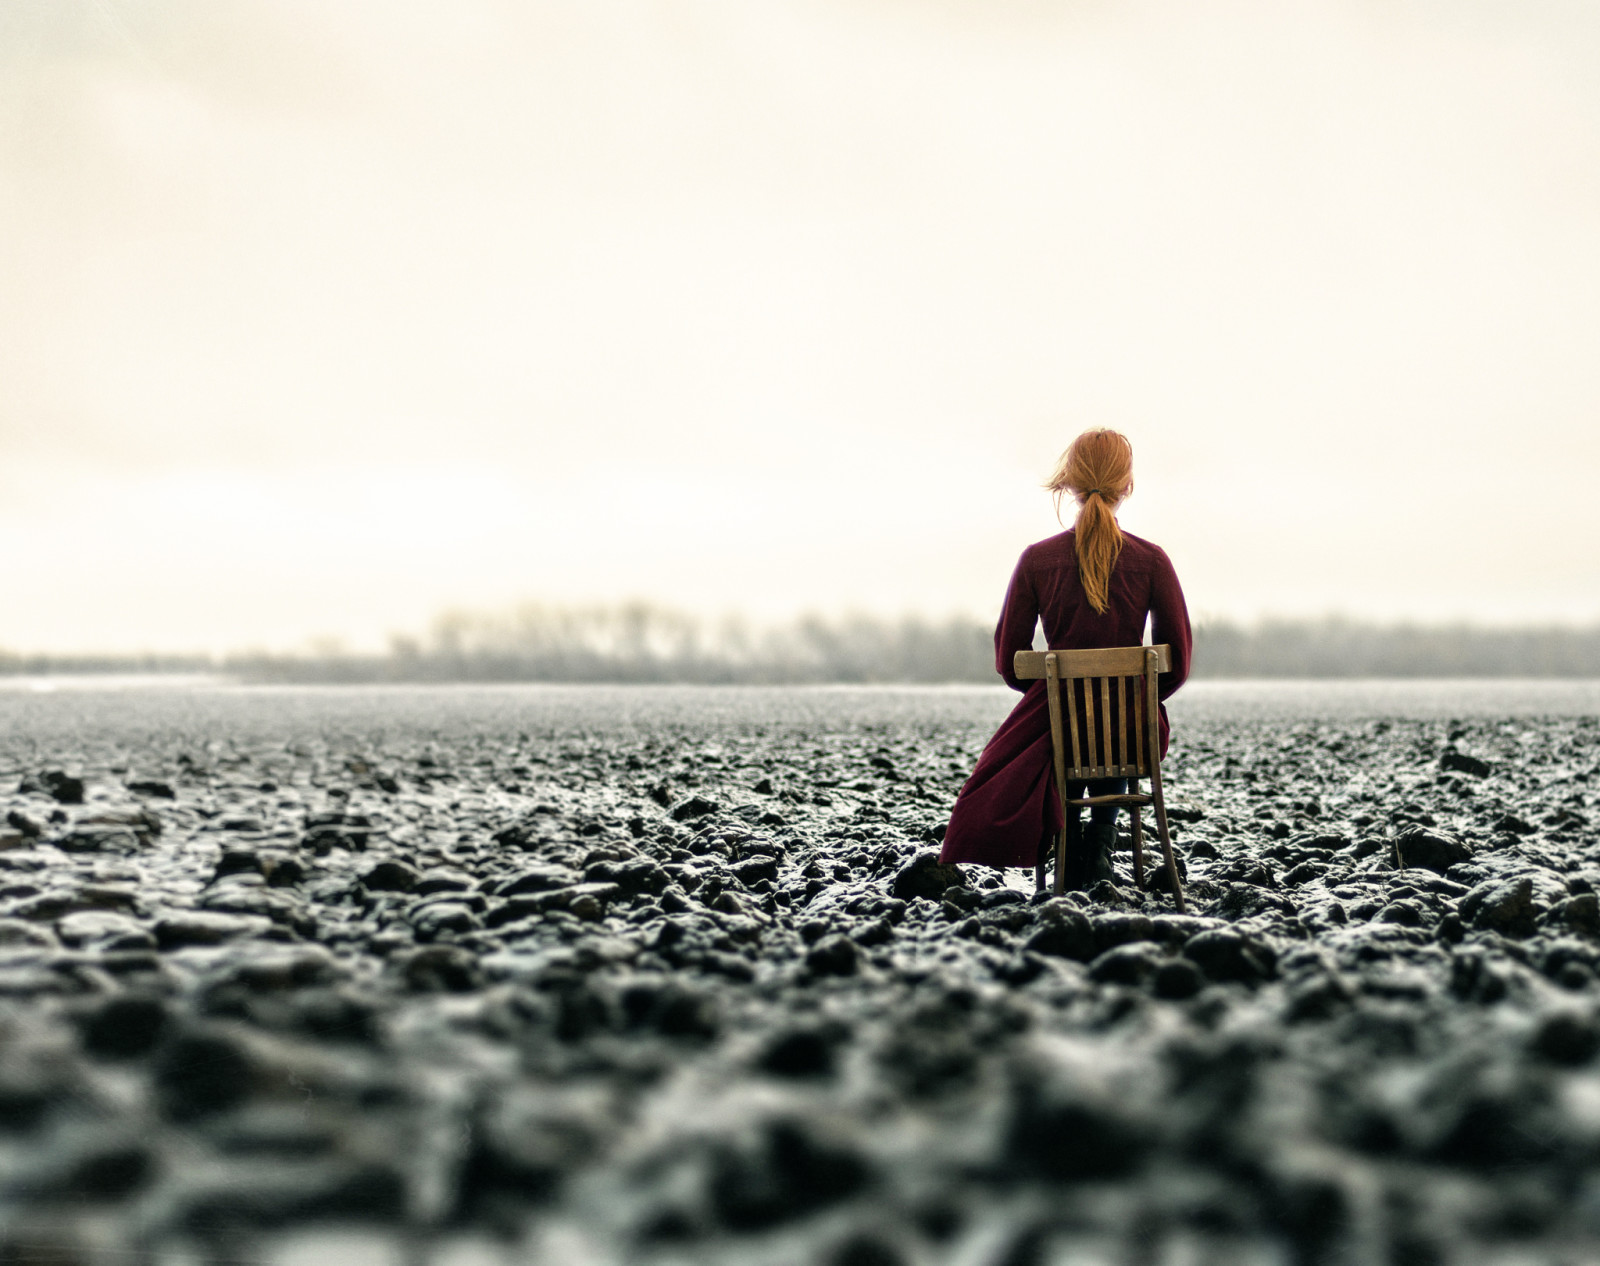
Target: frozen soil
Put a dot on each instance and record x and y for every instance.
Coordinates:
(622, 982)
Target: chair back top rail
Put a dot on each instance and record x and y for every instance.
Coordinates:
(1114, 661)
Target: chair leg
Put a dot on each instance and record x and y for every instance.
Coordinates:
(1061, 862)
(1138, 846)
(1172, 862)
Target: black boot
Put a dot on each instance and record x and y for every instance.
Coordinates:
(1073, 871)
(1099, 838)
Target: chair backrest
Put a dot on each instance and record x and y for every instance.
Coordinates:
(1122, 681)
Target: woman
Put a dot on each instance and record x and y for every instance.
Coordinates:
(1093, 586)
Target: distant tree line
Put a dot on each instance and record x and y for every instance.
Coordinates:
(638, 642)
(1345, 648)
(15, 665)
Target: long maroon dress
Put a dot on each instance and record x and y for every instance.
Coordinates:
(1005, 807)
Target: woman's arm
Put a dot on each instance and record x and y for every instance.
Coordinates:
(1169, 623)
(1014, 632)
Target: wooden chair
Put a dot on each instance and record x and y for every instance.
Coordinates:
(1124, 678)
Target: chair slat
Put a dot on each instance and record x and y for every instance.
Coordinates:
(1088, 725)
(1072, 723)
(1105, 719)
(1122, 722)
(1138, 730)
(1152, 720)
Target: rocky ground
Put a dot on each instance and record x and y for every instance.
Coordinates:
(671, 990)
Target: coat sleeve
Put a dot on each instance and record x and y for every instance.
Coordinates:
(1014, 632)
(1169, 623)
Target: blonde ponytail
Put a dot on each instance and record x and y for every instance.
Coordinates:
(1098, 471)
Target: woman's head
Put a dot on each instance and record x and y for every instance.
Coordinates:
(1097, 469)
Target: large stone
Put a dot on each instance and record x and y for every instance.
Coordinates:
(1511, 824)
(205, 927)
(834, 955)
(1132, 963)
(50, 904)
(237, 861)
(1426, 849)
(141, 822)
(439, 918)
(300, 1191)
(19, 934)
(1063, 932)
(281, 870)
(59, 785)
(1121, 928)
(441, 969)
(634, 876)
(389, 876)
(520, 907)
(1459, 762)
(1304, 873)
(1176, 978)
(1503, 905)
(807, 1050)
(200, 1073)
(755, 869)
(793, 1168)
(959, 900)
(98, 839)
(669, 1007)
(524, 1141)
(1070, 1128)
(234, 897)
(1227, 955)
(538, 879)
(124, 1026)
(926, 876)
(1566, 1037)
(1242, 901)
(1580, 912)
(103, 931)
(328, 831)
(443, 879)
(693, 807)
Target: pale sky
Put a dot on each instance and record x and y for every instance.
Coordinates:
(320, 316)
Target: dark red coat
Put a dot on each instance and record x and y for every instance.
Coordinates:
(1006, 805)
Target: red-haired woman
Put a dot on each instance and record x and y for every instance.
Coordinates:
(1093, 586)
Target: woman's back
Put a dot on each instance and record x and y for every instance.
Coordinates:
(1047, 588)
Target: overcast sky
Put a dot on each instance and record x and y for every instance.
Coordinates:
(320, 316)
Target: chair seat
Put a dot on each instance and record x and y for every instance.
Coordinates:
(1127, 799)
